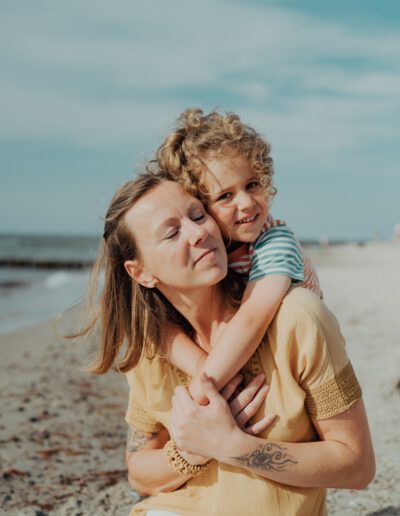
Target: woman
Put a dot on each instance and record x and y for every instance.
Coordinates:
(165, 260)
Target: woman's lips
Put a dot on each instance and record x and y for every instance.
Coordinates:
(209, 253)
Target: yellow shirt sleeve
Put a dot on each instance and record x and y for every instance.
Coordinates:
(323, 368)
(137, 413)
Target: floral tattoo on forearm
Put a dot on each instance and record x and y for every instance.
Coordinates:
(270, 457)
(136, 440)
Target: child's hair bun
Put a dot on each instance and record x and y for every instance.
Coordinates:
(191, 118)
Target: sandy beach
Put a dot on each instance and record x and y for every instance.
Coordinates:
(62, 431)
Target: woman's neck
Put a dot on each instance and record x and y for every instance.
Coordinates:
(205, 309)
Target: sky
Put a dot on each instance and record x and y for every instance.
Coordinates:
(89, 89)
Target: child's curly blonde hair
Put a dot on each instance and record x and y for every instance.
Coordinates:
(199, 137)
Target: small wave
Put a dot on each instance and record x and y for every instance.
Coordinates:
(58, 279)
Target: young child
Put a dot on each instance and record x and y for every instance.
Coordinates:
(227, 165)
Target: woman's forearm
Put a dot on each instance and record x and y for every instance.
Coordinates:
(150, 473)
(342, 458)
(315, 464)
(148, 468)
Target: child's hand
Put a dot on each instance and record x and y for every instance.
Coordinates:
(196, 391)
(245, 404)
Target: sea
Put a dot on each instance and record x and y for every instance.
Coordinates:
(41, 276)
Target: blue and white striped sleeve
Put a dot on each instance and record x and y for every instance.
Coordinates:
(277, 252)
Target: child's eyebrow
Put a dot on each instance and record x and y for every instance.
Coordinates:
(221, 191)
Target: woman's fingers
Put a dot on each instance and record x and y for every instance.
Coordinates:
(246, 395)
(231, 386)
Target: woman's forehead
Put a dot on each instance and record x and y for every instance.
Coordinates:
(166, 201)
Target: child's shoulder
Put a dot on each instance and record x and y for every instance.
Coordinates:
(273, 228)
(272, 222)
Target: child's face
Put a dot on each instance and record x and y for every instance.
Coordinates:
(237, 200)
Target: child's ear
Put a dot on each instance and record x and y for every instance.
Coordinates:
(138, 274)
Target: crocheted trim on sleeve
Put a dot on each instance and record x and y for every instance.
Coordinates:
(335, 395)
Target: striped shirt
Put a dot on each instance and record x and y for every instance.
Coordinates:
(275, 251)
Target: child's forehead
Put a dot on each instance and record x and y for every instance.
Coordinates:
(225, 153)
(224, 169)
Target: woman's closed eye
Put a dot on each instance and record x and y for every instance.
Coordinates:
(171, 233)
(198, 216)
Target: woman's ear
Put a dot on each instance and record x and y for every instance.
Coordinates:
(142, 277)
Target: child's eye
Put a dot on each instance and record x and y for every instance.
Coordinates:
(224, 197)
(253, 185)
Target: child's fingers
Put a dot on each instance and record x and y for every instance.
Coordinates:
(260, 426)
(251, 408)
(246, 395)
(231, 386)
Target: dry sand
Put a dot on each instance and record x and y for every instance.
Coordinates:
(62, 431)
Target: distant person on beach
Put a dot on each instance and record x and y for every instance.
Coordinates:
(396, 233)
(227, 165)
(165, 268)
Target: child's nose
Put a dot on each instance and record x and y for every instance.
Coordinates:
(245, 200)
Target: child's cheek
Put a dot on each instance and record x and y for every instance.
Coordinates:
(222, 216)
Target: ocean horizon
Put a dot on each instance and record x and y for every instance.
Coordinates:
(41, 275)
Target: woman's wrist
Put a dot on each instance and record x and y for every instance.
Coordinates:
(194, 459)
(237, 444)
(178, 462)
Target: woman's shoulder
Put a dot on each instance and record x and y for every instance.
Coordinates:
(304, 321)
(304, 304)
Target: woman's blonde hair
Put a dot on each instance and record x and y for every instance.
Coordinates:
(199, 137)
(127, 312)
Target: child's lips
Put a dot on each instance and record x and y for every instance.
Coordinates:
(248, 220)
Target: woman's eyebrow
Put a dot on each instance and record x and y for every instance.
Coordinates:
(195, 205)
(170, 221)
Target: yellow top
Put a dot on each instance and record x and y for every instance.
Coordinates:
(309, 374)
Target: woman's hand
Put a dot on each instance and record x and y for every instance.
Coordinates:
(203, 430)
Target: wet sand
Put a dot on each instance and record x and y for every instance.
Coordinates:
(62, 431)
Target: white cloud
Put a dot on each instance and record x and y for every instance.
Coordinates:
(119, 72)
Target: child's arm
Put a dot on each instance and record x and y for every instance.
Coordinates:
(183, 352)
(242, 335)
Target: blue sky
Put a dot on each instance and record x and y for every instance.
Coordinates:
(88, 90)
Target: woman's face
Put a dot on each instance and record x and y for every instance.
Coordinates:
(180, 245)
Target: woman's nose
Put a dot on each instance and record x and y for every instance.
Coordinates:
(197, 233)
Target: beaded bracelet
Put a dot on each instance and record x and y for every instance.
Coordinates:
(179, 464)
